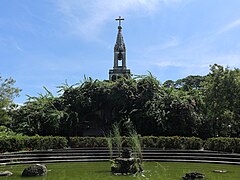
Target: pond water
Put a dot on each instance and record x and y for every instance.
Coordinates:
(101, 170)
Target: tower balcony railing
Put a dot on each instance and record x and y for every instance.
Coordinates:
(119, 71)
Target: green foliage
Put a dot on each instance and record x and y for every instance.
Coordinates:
(4, 131)
(46, 142)
(110, 145)
(140, 103)
(190, 82)
(7, 93)
(17, 143)
(38, 116)
(201, 106)
(12, 143)
(150, 141)
(223, 144)
(82, 142)
(222, 101)
(136, 144)
(117, 137)
(174, 142)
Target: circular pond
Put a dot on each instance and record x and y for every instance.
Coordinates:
(101, 170)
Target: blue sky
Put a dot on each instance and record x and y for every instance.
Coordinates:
(45, 42)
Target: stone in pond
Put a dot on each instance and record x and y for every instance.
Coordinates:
(193, 175)
(219, 171)
(6, 173)
(35, 170)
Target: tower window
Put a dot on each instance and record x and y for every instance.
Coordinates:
(120, 56)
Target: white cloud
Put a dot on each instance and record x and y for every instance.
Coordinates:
(230, 26)
(170, 43)
(165, 67)
(86, 18)
(18, 47)
(190, 65)
(10, 42)
(180, 64)
(232, 60)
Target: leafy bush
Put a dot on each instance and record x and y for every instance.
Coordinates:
(4, 131)
(150, 141)
(46, 142)
(80, 142)
(17, 143)
(223, 144)
(174, 142)
(11, 143)
(193, 143)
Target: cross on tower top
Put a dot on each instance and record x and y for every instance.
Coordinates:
(119, 19)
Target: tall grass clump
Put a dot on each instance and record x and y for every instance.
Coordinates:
(110, 145)
(117, 137)
(136, 144)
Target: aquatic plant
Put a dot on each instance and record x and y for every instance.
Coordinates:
(136, 144)
(110, 145)
(116, 137)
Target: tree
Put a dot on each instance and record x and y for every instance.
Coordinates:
(7, 93)
(148, 102)
(188, 83)
(222, 99)
(39, 115)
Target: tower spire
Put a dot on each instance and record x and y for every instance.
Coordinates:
(119, 68)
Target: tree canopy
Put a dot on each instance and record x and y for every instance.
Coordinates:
(7, 93)
(203, 106)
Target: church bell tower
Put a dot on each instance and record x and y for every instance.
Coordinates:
(120, 68)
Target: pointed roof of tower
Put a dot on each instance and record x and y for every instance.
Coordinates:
(120, 45)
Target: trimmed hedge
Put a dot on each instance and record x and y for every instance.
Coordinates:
(80, 142)
(88, 142)
(223, 144)
(174, 142)
(17, 143)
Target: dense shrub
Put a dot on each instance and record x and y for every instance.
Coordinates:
(193, 143)
(4, 131)
(176, 142)
(150, 141)
(80, 142)
(223, 144)
(46, 142)
(173, 142)
(12, 143)
(17, 143)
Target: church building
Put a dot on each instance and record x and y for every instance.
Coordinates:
(120, 68)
